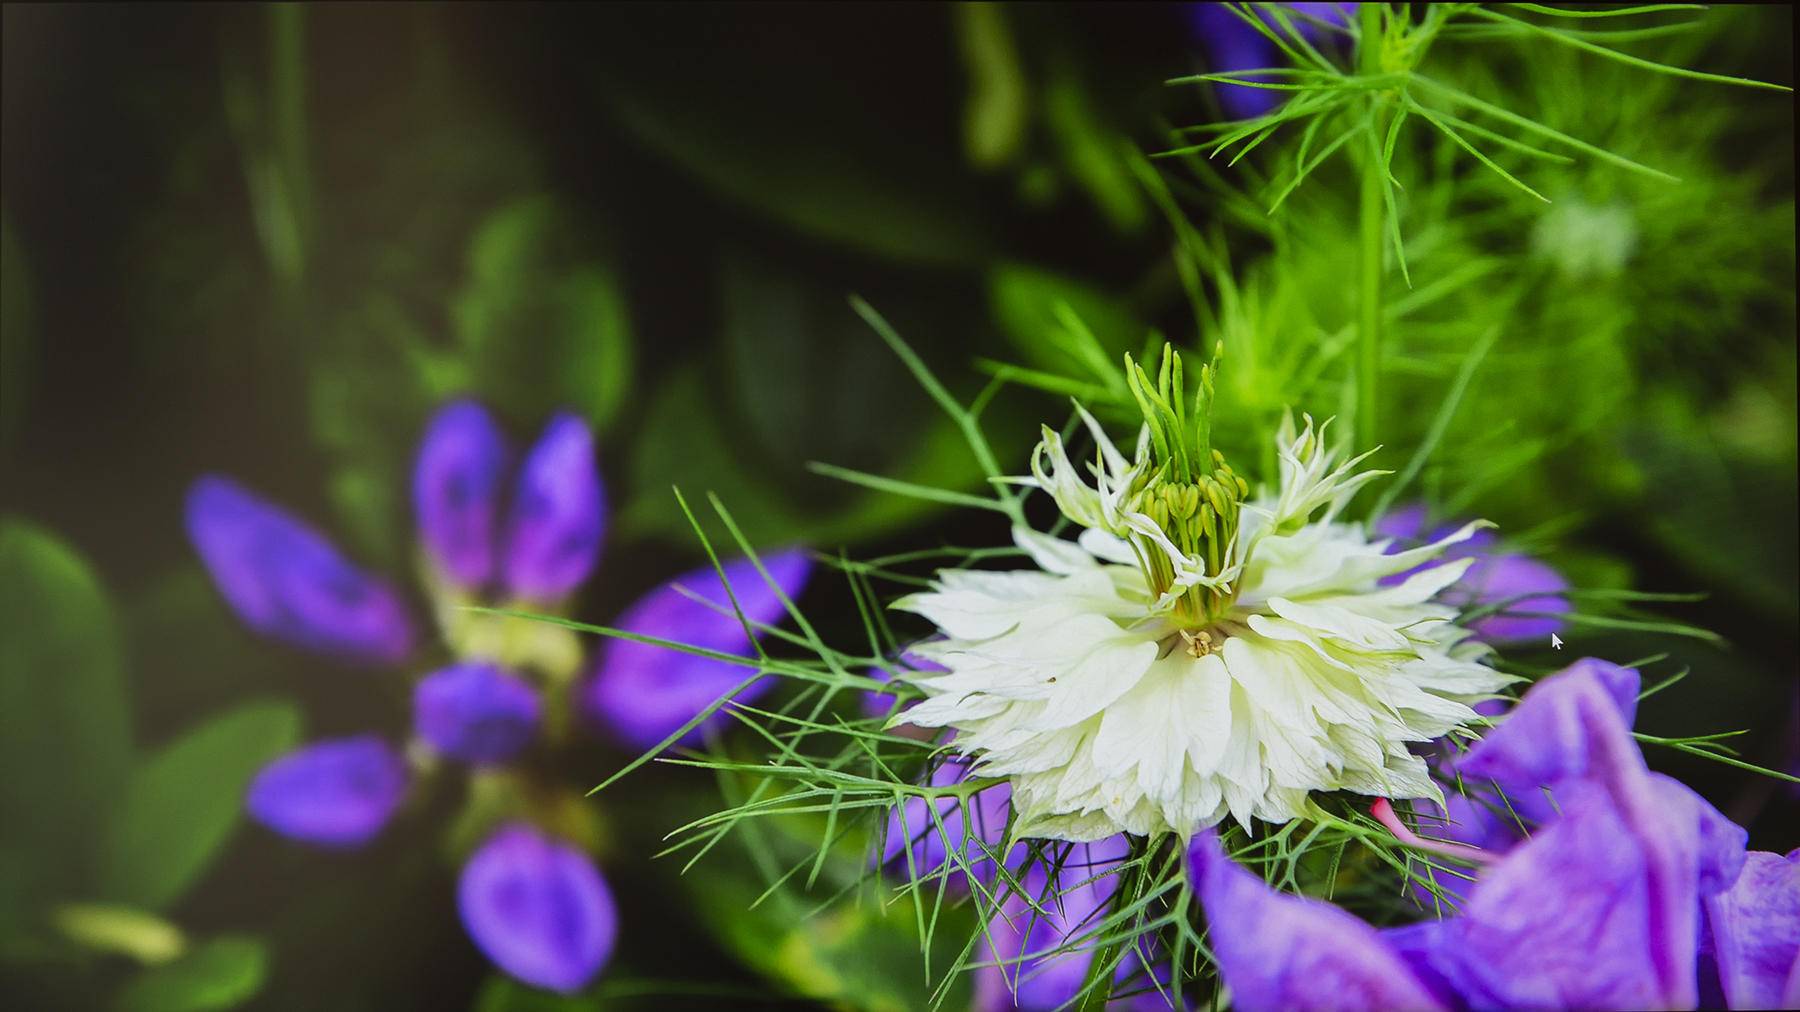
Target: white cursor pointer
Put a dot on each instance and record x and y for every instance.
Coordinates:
(1556, 641)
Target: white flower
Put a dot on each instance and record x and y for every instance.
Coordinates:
(1112, 707)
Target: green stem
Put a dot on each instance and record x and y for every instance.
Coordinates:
(287, 134)
(1373, 228)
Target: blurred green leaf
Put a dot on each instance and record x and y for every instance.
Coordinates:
(997, 113)
(1024, 302)
(1732, 523)
(106, 927)
(542, 316)
(748, 118)
(65, 727)
(503, 994)
(862, 956)
(184, 800)
(221, 973)
(1093, 152)
(684, 443)
(806, 374)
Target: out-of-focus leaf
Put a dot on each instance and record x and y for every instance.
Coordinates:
(863, 956)
(1024, 301)
(1093, 153)
(807, 375)
(748, 119)
(684, 444)
(65, 728)
(997, 112)
(503, 994)
(184, 643)
(104, 927)
(542, 315)
(220, 973)
(15, 333)
(766, 160)
(1729, 521)
(184, 800)
(367, 401)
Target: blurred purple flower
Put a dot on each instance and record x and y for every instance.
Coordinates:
(1600, 907)
(1525, 584)
(642, 692)
(285, 580)
(1232, 44)
(456, 491)
(558, 514)
(334, 793)
(538, 908)
(931, 846)
(1074, 884)
(475, 712)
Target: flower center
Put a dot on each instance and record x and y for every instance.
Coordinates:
(1193, 496)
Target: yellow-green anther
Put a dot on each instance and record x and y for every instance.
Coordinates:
(1215, 494)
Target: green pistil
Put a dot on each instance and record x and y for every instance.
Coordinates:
(1193, 495)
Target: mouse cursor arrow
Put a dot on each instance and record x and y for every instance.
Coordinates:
(1556, 641)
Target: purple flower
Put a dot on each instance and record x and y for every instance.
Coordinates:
(556, 518)
(538, 908)
(1600, 907)
(1232, 44)
(1282, 952)
(642, 692)
(456, 491)
(1531, 592)
(558, 514)
(1073, 885)
(286, 581)
(335, 793)
(1754, 931)
(475, 712)
(931, 846)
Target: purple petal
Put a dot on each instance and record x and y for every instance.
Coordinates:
(1233, 44)
(1537, 588)
(1755, 929)
(475, 712)
(1402, 523)
(538, 908)
(1599, 908)
(1030, 974)
(1591, 912)
(932, 846)
(558, 514)
(286, 580)
(643, 692)
(335, 793)
(1285, 952)
(1572, 725)
(456, 491)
